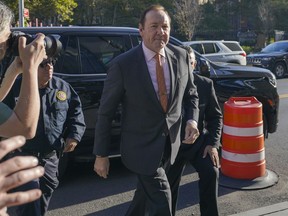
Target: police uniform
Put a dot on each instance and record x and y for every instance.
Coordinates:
(60, 117)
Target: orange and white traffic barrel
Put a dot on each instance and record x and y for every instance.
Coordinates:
(243, 152)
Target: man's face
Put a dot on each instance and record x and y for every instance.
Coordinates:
(193, 60)
(156, 30)
(45, 72)
(3, 42)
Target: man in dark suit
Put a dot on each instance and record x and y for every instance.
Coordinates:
(203, 154)
(150, 127)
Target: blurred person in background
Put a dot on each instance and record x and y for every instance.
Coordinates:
(203, 154)
(15, 172)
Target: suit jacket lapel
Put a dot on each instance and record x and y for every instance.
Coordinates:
(145, 76)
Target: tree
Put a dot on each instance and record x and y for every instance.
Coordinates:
(280, 11)
(53, 12)
(266, 16)
(88, 12)
(112, 12)
(187, 16)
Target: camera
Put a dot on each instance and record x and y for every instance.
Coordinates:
(53, 45)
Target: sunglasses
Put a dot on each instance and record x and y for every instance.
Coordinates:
(44, 63)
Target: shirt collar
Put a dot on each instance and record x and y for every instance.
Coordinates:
(149, 54)
(48, 86)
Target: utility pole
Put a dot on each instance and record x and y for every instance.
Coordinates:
(21, 11)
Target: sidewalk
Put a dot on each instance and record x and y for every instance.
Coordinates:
(280, 209)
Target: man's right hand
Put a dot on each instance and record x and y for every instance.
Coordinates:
(101, 166)
(32, 54)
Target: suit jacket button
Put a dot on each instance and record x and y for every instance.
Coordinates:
(163, 134)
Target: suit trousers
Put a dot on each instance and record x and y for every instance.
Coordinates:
(153, 195)
(208, 176)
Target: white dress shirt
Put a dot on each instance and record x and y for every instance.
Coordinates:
(151, 63)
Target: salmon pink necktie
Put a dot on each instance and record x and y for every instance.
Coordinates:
(162, 92)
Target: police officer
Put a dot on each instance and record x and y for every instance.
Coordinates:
(60, 128)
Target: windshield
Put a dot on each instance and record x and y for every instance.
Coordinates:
(276, 47)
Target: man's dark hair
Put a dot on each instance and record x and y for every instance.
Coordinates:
(155, 7)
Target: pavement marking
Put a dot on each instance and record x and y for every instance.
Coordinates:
(279, 209)
(283, 96)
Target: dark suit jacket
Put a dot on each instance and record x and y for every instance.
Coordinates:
(144, 124)
(210, 117)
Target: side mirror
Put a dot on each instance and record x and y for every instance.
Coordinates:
(203, 66)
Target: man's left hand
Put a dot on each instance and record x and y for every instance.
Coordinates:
(70, 145)
(213, 153)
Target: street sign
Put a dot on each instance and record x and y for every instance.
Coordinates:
(26, 13)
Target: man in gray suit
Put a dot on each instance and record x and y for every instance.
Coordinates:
(150, 131)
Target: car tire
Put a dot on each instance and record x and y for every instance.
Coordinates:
(280, 70)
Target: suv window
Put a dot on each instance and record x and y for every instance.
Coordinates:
(210, 48)
(95, 53)
(232, 46)
(198, 48)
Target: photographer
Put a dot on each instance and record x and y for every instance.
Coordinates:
(22, 120)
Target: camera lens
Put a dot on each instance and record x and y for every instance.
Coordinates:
(52, 45)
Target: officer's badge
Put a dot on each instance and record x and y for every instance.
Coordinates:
(61, 95)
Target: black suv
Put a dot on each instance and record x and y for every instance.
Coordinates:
(273, 57)
(88, 50)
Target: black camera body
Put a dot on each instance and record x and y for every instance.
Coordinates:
(53, 46)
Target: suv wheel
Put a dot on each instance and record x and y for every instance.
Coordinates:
(279, 70)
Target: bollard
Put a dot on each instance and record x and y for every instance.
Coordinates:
(243, 152)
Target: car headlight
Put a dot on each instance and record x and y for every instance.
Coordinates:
(272, 80)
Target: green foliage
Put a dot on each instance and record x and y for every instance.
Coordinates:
(13, 4)
(248, 49)
(49, 12)
(220, 19)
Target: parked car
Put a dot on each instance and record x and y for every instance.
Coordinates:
(88, 50)
(273, 57)
(220, 51)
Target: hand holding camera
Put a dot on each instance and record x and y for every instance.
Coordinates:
(32, 54)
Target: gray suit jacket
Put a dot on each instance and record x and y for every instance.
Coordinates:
(144, 124)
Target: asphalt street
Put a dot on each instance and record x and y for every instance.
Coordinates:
(83, 193)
